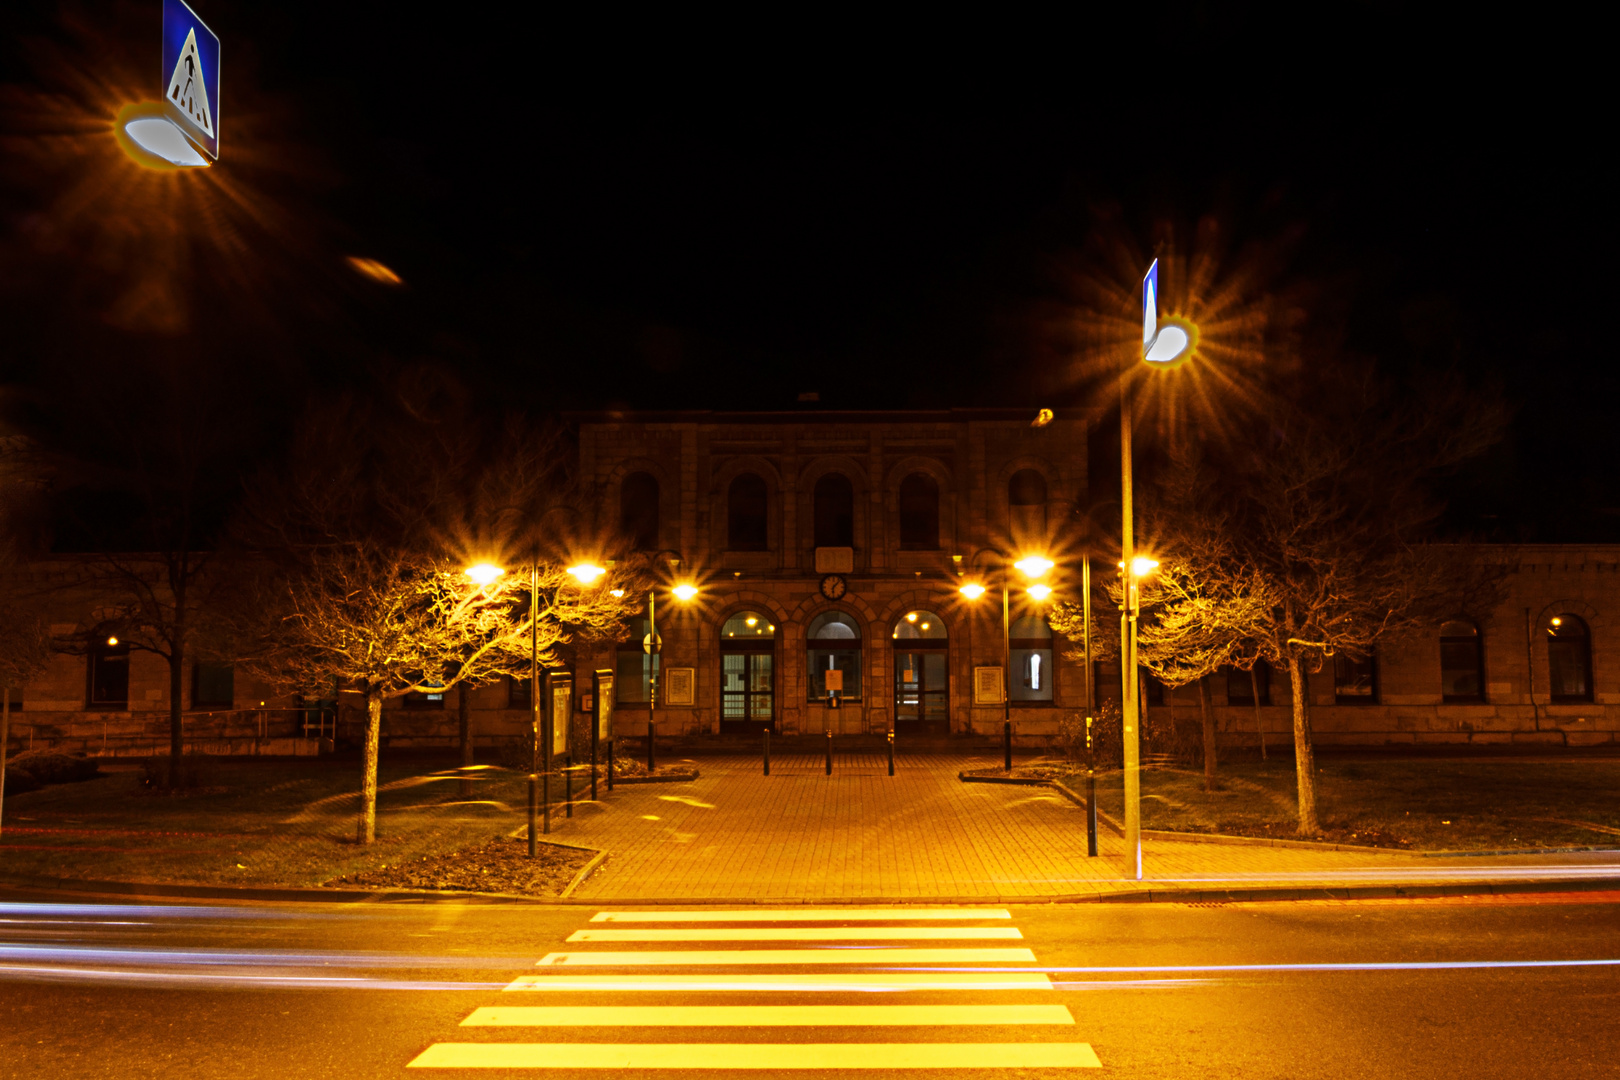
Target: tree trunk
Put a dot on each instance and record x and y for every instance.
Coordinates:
(177, 669)
(368, 769)
(177, 731)
(1207, 710)
(1304, 755)
(5, 744)
(1259, 724)
(464, 718)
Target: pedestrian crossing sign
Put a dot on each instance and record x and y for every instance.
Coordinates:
(191, 76)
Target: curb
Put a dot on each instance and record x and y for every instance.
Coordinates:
(617, 780)
(1312, 845)
(1118, 896)
(1026, 781)
(584, 872)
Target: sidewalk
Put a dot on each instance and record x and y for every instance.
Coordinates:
(799, 834)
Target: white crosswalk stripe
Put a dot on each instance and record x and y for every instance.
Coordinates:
(931, 969)
(808, 933)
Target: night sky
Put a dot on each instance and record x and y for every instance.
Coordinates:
(726, 210)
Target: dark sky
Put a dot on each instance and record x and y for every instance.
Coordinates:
(684, 209)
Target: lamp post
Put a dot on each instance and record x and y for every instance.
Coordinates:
(1033, 567)
(654, 646)
(1164, 346)
(540, 760)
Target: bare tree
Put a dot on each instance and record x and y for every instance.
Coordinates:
(384, 622)
(24, 653)
(360, 543)
(1328, 519)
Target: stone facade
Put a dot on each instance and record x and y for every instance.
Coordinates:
(921, 503)
(970, 458)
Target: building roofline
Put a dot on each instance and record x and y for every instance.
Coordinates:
(812, 416)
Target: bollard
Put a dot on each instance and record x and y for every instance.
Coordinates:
(1091, 812)
(1091, 793)
(534, 799)
(568, 787)
(610, 764)
(1006, 745)
(829, 751)
(594, 736)
(649, 747)
(767, 751)
(891, 751)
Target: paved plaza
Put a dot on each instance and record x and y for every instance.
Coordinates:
(798, 834)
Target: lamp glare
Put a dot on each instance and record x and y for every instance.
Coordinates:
(1034, 566)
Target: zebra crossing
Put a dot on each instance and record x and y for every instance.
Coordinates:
(936, 957)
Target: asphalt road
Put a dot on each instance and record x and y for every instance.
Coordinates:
(1456, 988)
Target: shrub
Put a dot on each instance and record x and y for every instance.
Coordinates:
(52, 767)
(18, 781)
(517, 754)
(1105, 737)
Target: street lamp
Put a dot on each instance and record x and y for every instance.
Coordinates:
(1033, 567)
(1162, 347)
(653, 645)
(484, 575)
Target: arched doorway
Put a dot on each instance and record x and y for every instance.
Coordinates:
(747, 672)
(921, 679)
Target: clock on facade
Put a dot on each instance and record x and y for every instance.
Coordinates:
(833, 586)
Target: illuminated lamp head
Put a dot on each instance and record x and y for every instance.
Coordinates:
(153, 141)
(1175, 341)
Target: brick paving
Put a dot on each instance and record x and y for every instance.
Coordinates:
(801, 835)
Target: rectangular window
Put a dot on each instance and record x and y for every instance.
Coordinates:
(424, 701)
(213, 686)
(1355, 681)
(632, 675)
(518, 692)
(1240, 686)
(109, 677)
(1459, 670)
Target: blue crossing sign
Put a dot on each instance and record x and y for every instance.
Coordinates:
(191, 74)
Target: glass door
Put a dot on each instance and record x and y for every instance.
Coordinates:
(747, 691)
(920, 692)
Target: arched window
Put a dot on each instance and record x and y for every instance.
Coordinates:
(746, 504)
(921, 683)
(1569, 658)
(834, 648)
(834, 511)
(747, 672)
(919, 513)
(1026, 505)
(1031, 656)
(638, 510)
(1462, 664)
